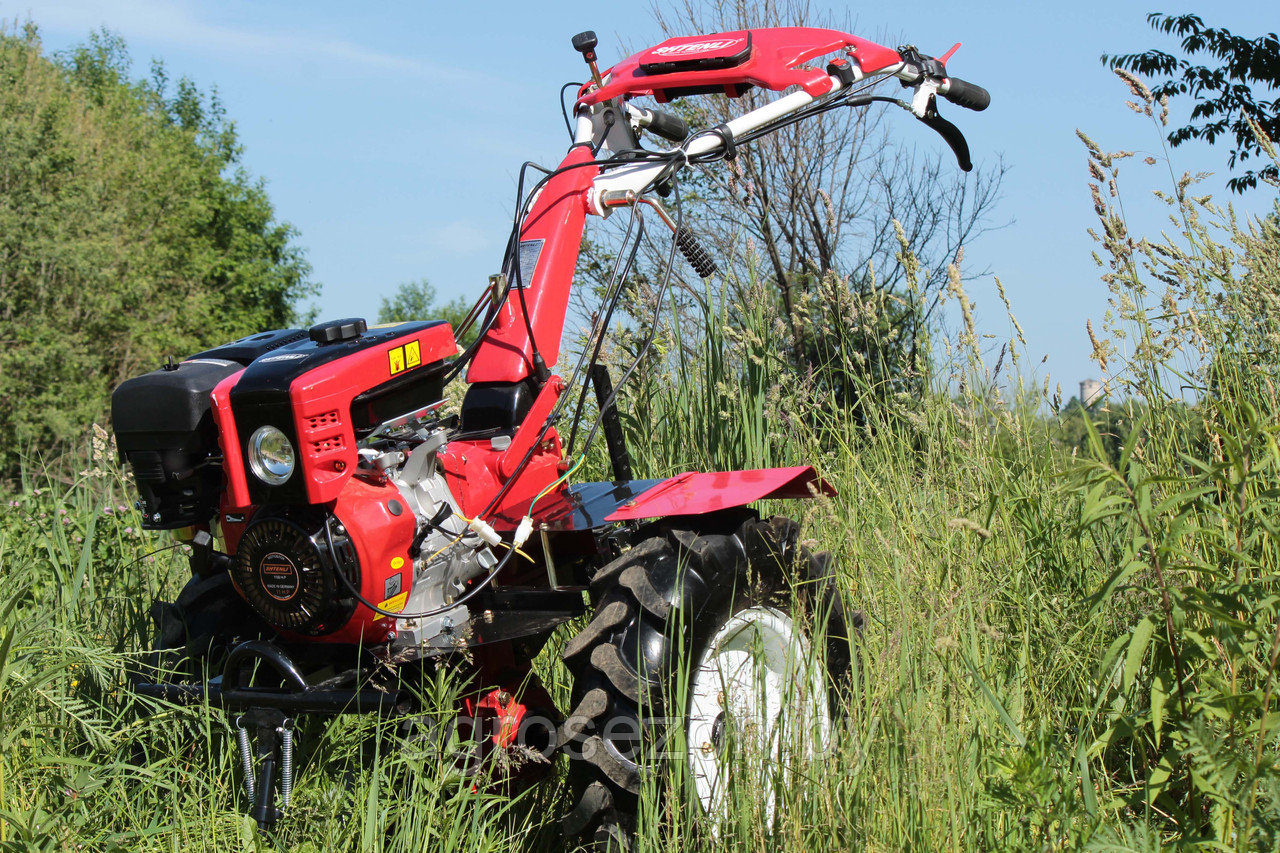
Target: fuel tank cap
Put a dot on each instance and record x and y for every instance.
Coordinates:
(336, 331)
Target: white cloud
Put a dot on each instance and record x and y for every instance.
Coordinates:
(179, 24)
(459, 238)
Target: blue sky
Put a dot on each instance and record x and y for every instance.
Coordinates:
(390, 134)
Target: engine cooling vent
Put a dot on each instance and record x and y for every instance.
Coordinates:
(286, 573)
(323, 420)
(327, 445)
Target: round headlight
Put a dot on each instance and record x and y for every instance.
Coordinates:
(271, 455)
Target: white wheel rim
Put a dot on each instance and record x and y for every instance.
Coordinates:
(757, 666)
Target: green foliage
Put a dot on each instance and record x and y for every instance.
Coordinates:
(130, 233)
(1184, 723)
(416, 300)
(1111, 423)
(1231, 99)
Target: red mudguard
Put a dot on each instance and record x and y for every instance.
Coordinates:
(694, 493)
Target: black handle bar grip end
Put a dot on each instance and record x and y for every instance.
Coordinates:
(668, 126)
(586, 41)
(967, 95)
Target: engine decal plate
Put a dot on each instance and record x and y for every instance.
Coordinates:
(280, 577)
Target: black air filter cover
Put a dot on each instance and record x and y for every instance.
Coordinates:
(164, 429)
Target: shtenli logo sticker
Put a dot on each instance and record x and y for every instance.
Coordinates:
(696, 47)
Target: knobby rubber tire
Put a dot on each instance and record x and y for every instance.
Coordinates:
(658, 606)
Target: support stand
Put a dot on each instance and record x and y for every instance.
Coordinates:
(271, 733)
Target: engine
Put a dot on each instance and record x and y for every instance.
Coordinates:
(315, 454)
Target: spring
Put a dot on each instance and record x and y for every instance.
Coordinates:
(286, 766)
(246, 757)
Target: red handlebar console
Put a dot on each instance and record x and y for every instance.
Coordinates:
(730, 63)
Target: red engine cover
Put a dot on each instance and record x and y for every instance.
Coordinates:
(322, 404)
(381, 528)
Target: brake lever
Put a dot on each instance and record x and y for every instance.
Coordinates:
(949, 132)
(929, 116)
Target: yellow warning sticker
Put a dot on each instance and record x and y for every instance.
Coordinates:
(412, 354)
(395, 603)
(397, 562)
(395, 359)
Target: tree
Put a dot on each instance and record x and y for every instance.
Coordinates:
(416, 300)
(128, 232)
(1228, 96)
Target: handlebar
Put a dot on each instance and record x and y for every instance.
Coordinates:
(965, 94)
(625, 183)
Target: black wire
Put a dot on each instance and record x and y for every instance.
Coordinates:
(426, 614)
(612, 295)
(151, 554)
(653, 326)
(463, 360)
(849, 99)
(597, 331)
(521, 211)
(564, 111)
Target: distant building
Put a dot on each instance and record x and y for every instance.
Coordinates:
(1091, 391)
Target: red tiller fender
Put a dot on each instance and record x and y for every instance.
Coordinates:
(695, 493)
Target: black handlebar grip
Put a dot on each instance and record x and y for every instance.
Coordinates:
(967, 95)
(585, 42)
(668, 126)
(697, 256)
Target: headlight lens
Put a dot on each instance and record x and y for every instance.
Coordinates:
(271, 455)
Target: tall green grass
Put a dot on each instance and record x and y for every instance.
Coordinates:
(1063, 649)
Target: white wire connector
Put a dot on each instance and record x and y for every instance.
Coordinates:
(523, 531)
(485, 532)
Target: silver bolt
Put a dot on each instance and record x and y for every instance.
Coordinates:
(488, 616)
(707, 747)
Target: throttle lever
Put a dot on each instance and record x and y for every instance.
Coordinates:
(585, 43)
